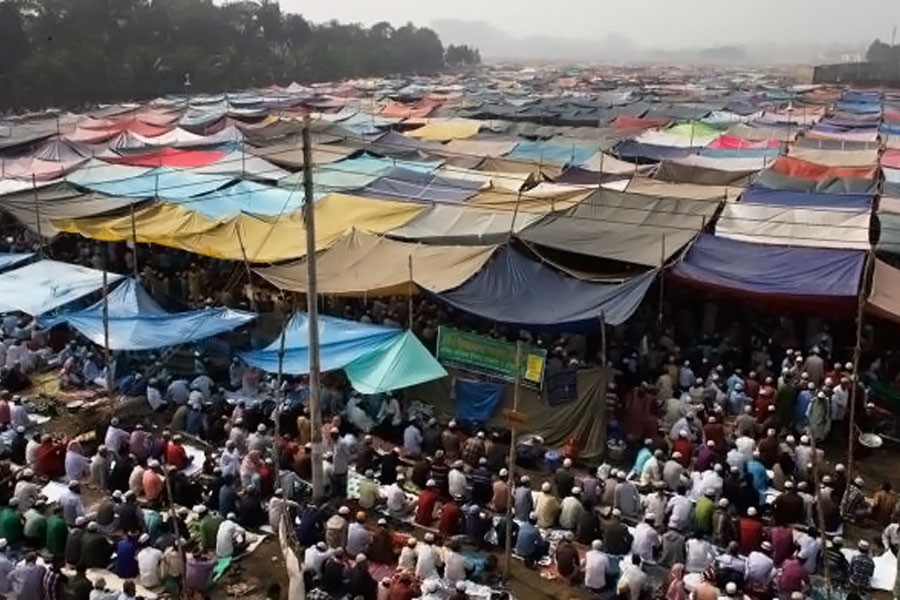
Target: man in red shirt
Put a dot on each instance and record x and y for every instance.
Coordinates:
(428, 503)
(750, 532)
(4, 408)
(176, 455)
(50, 461)
(684, 447)
(451, 517)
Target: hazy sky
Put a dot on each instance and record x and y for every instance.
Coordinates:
(659, 23)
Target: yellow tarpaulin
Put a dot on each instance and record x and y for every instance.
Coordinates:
(366, 264)
(259, 239)
(443, 131)
(511, 165)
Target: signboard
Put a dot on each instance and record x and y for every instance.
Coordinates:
(489, 356)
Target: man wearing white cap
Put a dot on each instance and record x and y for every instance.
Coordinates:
(854, 504)
(862, 567)
(336, 528)
(314, 556)
(596, 567)
(685, 376)
(429, 558)
(547, 507)
(231, 539)
(148, 560)
(760, 566)
(646, 539)
(26, 490)
(6, 568)
(673, 470)
(627, 499)
(571, 510)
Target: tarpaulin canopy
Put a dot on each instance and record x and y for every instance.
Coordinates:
(554, 151)
(245, 165)
(543, 198)
(833, 185)
(451, 224)
(693, 191)
(746, 269)
(733, 142)
(46, 285)
(375, 358)
(402, 363)
(836, 158)
(608, 165)
(247, 197)
(162, 182)
(511, 165)
(768, 133)
(137, 322)
(724, 163)
(444, 130)
(406, 184)
(676, 171)
(760, 195)
(365, 264)
(891, 159)
(843, 145)
(38, 209)
(11, 259)
(638, 152)
(884, 297)
(256, 239)
(169, 157)
(290, 154)
(790, 226)
(513, 288)
(670, 138)
(633, 228)
(512, 182)
(796, 167)
(479, 147)
(356, 172)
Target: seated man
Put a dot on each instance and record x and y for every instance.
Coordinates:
(530, 545)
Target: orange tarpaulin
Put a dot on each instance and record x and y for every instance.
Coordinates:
(626, 122)
(795, 167)
(891, 159)
(400, 110)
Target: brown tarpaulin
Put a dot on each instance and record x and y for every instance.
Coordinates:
(365, 264)
(884, 299)
(673, 171)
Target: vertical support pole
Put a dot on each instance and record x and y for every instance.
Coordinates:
(312, 306)
(507, 569)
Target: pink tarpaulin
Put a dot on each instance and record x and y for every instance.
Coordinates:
(891, 159)
(170, 157)
(732, 142)
(38, 169)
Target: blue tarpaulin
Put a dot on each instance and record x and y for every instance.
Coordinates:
(46, 285)
(245, 197)
(554, 152)
(375, 358)
(769, 270)
(12, 259)
(761, 195)
(406, 184)
(162, 182)
(137, 322)
(512, 288)
(772, 152)
(477, 401)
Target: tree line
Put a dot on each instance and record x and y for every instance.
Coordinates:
(880, 52)
(76, 52)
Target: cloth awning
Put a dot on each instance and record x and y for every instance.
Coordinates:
(11, 259)
(678, 172)
(466, 225)
(834, 185)
(836, 158)
(46, 285)
(790, 226)
(513, 288)
(797, 167)
(362, 264)
(648, 153)
(884, 297)
(375, 358)
(627, 227)
(137, 322)
(767, 271)
(672, 189)
(760, 195)
(406, 184)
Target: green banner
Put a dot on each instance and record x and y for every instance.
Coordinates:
(487, 355)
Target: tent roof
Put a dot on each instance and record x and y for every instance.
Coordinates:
(836, 158)
(366, 264)
(512, 288)
(760, 195)
(834, 185)
(406, 184)
(404, 362)
(137, 322)
(788, 226)
(634, 228)
(771, 271)
(884, 298)
(45, 285)
(455, 224)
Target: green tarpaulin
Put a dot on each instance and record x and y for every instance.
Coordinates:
(403, 363)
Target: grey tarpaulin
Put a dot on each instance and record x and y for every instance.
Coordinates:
(584, 419)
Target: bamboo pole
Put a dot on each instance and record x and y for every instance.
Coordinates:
(37, 213)
(857, 350)
(106, 353)
(507, 569)
(411, 284)
(247, 268)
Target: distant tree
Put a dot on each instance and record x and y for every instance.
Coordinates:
(71, 52)
(879, 52)
(462, 55)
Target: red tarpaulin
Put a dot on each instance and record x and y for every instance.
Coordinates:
(891, 159)
(795, 167)
(170, 157)
(733, 142)
(626, 122)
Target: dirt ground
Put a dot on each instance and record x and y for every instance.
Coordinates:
(250, 577)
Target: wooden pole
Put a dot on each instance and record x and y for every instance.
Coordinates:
(820, 510)
(37, 213)
(603, 338)
(134, 244)
(511, 479)
(240, 240)
(857, 350)
(411, 284)
(279, 403)
(106, 353)
(662, 288)
(312, 307)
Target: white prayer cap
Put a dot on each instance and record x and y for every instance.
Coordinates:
(751, 512)
(481, 434)
(145, 537)
(820, 395)
(431, 483)
(545, 487)
(597, 545)
(199, 509)
(504, 473)
(770, 432)
(788, 485)
(567, 463)
(748, 409)
(683, 433)
(731, 588)
(360, 557)
(849, 366)
(858, 481)
(828, 381)
(791, 439)
(863, 546)
(723, 502)
(429, 537)
(811, 385)
(710, 443)
(676, 455)
(839, 468)
(616, 512)
(576, 490)
(766, 546)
